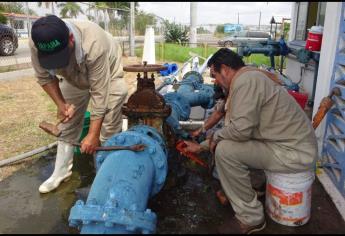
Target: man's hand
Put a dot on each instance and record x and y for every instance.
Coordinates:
(89, 144)
(192, 147)
(66, 110)
(196, 133)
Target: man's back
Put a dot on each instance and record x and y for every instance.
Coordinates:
(260, 109)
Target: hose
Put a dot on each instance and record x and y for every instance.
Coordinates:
(27, 154)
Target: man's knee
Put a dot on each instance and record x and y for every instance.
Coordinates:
(224, 148)
(230, 152)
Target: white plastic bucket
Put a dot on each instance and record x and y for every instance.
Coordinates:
(288, 197)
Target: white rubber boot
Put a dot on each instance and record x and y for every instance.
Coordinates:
(62, 169)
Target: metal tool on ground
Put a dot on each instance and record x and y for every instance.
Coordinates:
(135, 148)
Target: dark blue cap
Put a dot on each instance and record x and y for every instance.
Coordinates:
(50, 35)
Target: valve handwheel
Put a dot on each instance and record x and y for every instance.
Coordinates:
(144, 68)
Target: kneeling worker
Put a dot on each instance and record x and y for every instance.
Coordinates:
(264, 129)
(89, 60)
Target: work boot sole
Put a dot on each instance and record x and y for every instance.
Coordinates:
(257, 229)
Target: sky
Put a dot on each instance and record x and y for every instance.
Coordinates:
(220, 12)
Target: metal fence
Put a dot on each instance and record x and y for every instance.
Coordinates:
(15, 53)
(21, 15)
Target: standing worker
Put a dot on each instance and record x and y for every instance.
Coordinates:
(89, 60)
(264, 129)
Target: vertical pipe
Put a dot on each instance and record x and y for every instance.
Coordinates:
(193, 39)
(132, 31)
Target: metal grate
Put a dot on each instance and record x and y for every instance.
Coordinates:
(333, 154)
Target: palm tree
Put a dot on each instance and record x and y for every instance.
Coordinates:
(47, 5)
(70, 10)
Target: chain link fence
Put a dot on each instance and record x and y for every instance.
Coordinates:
(17, 18)
(21, 15)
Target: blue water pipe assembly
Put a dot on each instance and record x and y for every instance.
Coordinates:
(125, 180)
(191, 92)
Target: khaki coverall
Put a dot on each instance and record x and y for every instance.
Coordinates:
(264, 129)
(94, 72)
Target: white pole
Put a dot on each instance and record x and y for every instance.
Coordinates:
(53, 9)
(28, 25)
(193, 34)
(132, 31)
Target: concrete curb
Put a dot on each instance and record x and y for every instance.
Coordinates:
(18, 74)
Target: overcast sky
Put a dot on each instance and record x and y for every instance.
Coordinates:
(220, 12)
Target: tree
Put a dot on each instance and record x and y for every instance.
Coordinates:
(12, 7)
(202, 30)
(175, 33)
(47, 4)
(286, 29)
(70, 9)
(3, 19)
(220, 29)
(142, 20)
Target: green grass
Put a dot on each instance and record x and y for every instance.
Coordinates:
(169, 52)
(177, 53)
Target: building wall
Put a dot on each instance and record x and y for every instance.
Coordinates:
(327, 56)
(326, 63)
(303, 73)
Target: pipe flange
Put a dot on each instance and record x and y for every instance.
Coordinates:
(180, 102)
(85, 214)
(208, 90)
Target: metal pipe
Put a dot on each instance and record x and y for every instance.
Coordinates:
(192, 122)
(27, 154)
(192, 92)
(204, 66)
(124, 182)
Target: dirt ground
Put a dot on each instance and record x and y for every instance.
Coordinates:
(23, 105)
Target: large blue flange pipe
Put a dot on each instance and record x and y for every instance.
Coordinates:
(125, 179)
(124, 182)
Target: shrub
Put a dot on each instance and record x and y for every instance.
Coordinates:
(175, 33)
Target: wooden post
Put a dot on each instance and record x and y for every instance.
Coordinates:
(205, 50)
(163, 45)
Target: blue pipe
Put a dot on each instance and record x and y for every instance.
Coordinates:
(171, 68)
(124, 182)
(192, 92)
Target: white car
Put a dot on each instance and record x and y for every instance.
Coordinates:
(244, 37)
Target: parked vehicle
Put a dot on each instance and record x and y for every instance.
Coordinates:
(8, 40)
(244, 36)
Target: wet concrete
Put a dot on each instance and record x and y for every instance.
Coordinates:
(186, 204)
